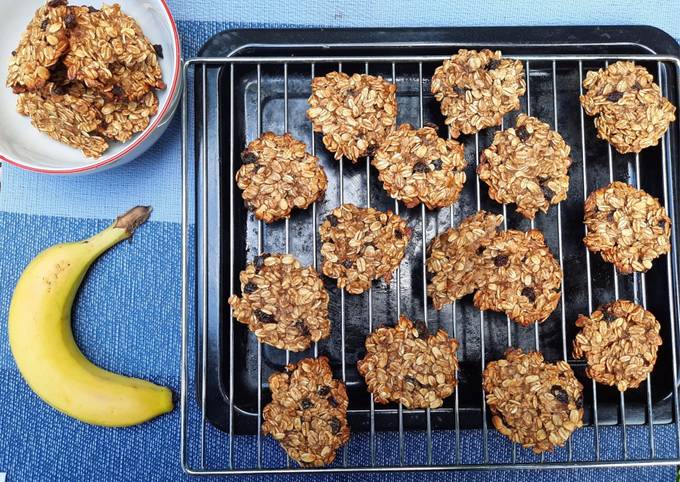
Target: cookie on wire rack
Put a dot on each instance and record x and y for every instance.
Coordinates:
(521, 277)
(527, 165)
(627, 226)
(277, 175)
(630, 111)
(533, 402)
(361, 245)
(308, 412)
(408, 364)
(353, 112)
(416, 165)
(619, 342)
(454, 258)
(477, 88)
(284, 304)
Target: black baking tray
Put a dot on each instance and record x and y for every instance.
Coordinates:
(212, 86)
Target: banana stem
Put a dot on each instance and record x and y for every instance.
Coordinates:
(123, 228)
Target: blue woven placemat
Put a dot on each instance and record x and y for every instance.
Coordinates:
(128, 312)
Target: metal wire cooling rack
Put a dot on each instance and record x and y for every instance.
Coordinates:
(227, 102)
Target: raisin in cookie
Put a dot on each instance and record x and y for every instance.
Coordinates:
(278, 174)
(308, 412)
(631, 113)
(42, 44)
(407, 364)
(284, 304)
(619, 342)
(455, 256)
(627, 226)
(354, 113)
(527, 165)
(361, 245)
(521, 277)
(416, 165)
(476, 89)
(533, 402)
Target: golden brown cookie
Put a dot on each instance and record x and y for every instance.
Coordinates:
(108, 52)
(533, 402)
(70, 119)
(527, 165)
(521, 277)
(278, 174)
(308, 412)
(361, 245)
(42, 44)
(284, 304)
(416, 165)
(476, 89)
(407, 364)
(354, 113)
(630, 111)
(454, 258)
(627, 226)
(619, 342)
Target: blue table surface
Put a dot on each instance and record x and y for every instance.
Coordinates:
(127, 315)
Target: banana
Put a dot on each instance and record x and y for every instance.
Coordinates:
(42, 342)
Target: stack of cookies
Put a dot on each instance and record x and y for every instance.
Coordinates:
(534, 402)
(85, 76)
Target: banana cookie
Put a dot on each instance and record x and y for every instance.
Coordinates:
(521, 277)
(476, 89)
(407, 364)
(619, 342)
(354, 113)
(627, 226)
(533, 402)
(284, 304)
(416, 165)
(361, 245)
(630, 111)
(42, 44)
(455, 256)
(527, 165)
(278, 174)
(308, 412)
(109, 52)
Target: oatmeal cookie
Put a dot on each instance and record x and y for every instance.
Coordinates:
(627, 226)
(533, 402)
(70, 119)
(109, 53)
(631, 113)
(277, 175)
(354, 113)
(362, 244)
(476, 89)
(124, 118)
(619, 342)
(407, 364)
(42, 44)
(416, 165)
(521, 277)
(455, 257)
(308, 412)
(284, 304)
(527, 165)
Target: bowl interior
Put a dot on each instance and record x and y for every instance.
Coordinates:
(24, 145)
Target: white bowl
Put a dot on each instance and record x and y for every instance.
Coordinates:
(24, 146)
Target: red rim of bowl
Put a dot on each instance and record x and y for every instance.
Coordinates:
(159, 117)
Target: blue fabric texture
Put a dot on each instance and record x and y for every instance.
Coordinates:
(127, 315)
